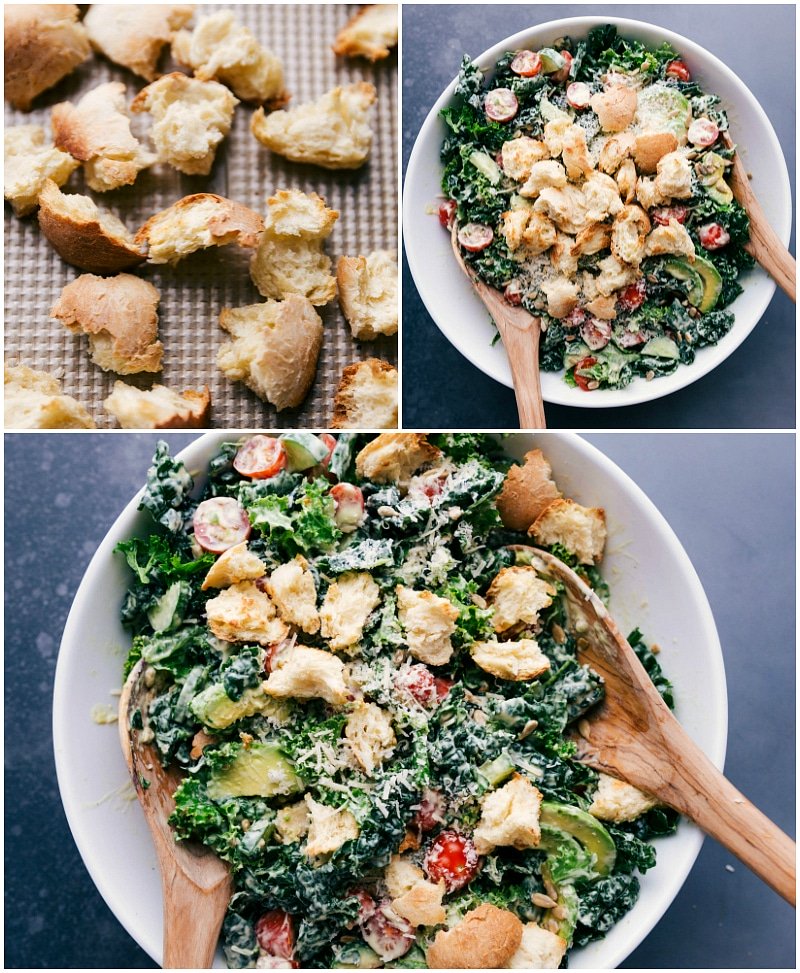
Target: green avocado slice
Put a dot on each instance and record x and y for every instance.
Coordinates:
(588, 831)
(706, 283)
(259, 771)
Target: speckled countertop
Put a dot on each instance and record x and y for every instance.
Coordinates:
(729, 498)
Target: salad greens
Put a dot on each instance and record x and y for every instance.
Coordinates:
(316, 804)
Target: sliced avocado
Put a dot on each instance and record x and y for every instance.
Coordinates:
(551, 60)
(215, 709)
(587, 829)
(551, 112)
(712, 283)
(569, 902)
(706, 283)
(566, 857)
(413, 960)
(497, 770)
(303, 450)
(167, 613)
(661, 347)
(575, 352)
(259, 771)
(355, 956)
(486, 165)
(720, 192)
(661, 107)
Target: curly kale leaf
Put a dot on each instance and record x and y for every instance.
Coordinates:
(172, 722)
(648, 659)
(300, 523)
(474, 623)
(602, 904)
(167, 494)
(242, 672)
(177, 652)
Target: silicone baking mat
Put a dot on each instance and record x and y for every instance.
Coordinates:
(193, 292)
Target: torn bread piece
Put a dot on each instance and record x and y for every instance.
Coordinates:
(370, 33)
(220, 49)
(232, 566)
(134, 35)
(28, 163)
(273, 349)
(366, 397)
(195, 223)
(34, 400)
(290, 258)
(515, 661)
(42, 43)
(527, 490)
(394, 457)
(119, 314)
(190, 119)
(617, 801)
(332, 132)
(485, 939)
(97, 131)
(368, 293)
(158, 407)
(540, 949)
(84, 236)
(581, 530)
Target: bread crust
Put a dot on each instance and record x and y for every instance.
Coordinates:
(370, 33)
(527, 491)
(42, 43)
(119, 314)
(368, 293)
(650, 147)
(134, 35)
(82, 241)
(486, 938)
(372, 377)
(137, 408)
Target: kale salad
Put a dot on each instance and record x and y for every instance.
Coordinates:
(589, 183)
(368, 690)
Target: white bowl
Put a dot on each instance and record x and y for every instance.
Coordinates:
(653, 585)
(447, 293)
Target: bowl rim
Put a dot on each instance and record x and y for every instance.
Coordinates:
(557, 392)
(197, 454)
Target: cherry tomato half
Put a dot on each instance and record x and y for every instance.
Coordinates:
(596, 333)
(663, 215)
(330, 442)
(220, 523)
(703, 132)
(418, 682)
(390, 935)
(275, 933)
(633, 296)
(677, 69)
(513, 292)
(562, 74)
(349, 506)
(447, 212)
(475, 236)
(500, 105)
(452, 857)
(713, 236)
(260, 457)
(527, 64)
(430, 813)
(575, 318)
(581, 380)
(579, 94)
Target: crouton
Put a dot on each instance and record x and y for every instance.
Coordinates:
(98, 132)
(244, 612)
(603, 307)
(628, 235)
(517, 595)
(614, 152)
(428, 621)
(393, 457)
(485, 939)
(332, 132)
(220, 49)
(647, 194)
(134, 35)
(292, 822)
(196, 222)
(329, 828)
(368, 293)
(158, 407)
(565, 207)
(575, 154)
(370, 736)
(554, 132)
(540, 949)
(674, 176)
(84, 236)
(366, 397)
(593, 238)
(509, 817)
(520, 155)
(581, 530)
(401, 875)
(291, 587)
(602, 197)
(614, 275)
(527, 491)
(615, 107)
(34, 400)
(304, 673)
(626, 180)
(616, 801)
(42, 43)
(119, 314)
(672, 238)
(514, 661)
(528, 231)
(370, 33)
(422, 905)
(650, 147)
(542, 174)
(347, 605)
(290, 257)
(562, 296)
(190, 119)
(28, 164)
(273, 349)
(234, 565)
(562, 258)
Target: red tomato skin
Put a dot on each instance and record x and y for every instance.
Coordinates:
(581, 380)
(216, 539)
(330, 442)
(475, 237)
(633, 296)
(260, 457)
(563, 75)
(387, 933)
(447, 213)
(528, 64)
(513, 293)
(500, 105)
(431, 810)
(275, 933)
(677, 69)
(713, 236)
(451, 857)
(663, 215)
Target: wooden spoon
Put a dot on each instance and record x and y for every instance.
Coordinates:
(196, 884)
(520, 332)
(764, 245)
(632, 735)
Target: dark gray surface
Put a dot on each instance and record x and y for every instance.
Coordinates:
(729, 498)
(754, 387)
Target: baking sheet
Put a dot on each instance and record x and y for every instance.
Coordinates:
(194, 292)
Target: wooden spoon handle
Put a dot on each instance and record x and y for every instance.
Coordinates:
(768, 251)
(523, 357)
(192, 922)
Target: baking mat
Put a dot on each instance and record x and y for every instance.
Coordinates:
(193, 292)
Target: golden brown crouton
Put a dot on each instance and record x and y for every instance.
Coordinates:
(615, 107)
(158, 407)
(34, 400)
(366, 397)
(527, 491)
(370, 33)
(486, 938)
(650, 147)
(134, 35)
